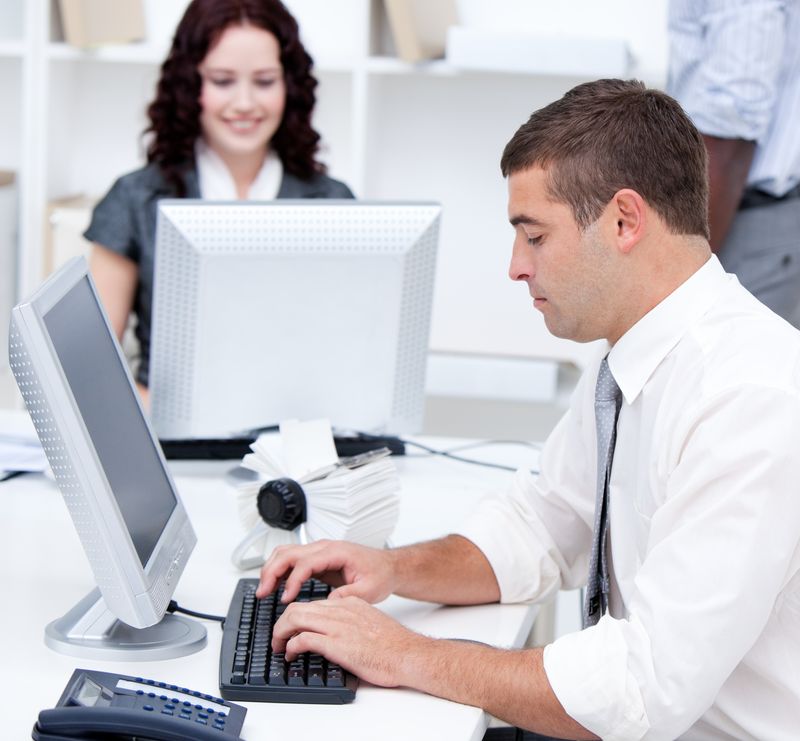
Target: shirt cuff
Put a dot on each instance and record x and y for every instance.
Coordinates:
(588, 672)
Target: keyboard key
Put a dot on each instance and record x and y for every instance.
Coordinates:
(335, 677)
(315, 676)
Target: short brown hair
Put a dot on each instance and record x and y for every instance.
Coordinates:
(606, 135)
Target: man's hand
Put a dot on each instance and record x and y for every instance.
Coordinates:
(353, 569)
(359, 637)
(350, 632)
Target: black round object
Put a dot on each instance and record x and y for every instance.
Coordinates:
(282, 503)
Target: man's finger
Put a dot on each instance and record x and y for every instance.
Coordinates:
(305, 641)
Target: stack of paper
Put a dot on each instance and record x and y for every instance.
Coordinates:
(20, 453)
(359, 503)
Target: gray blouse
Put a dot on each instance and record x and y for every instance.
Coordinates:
(124, 221)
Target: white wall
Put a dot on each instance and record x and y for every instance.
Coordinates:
(428, 136)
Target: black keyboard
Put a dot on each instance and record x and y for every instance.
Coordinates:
(235, 448)
(250, 670)
(205, 449)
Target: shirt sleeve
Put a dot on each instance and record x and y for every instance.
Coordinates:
(720, 549)
(537, 534)
(725, 64)
(113, 222)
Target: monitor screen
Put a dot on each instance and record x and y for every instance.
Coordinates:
(291, 310)
(111, 415)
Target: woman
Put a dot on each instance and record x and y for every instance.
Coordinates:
(231, 120)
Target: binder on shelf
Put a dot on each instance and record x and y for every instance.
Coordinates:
(419, 27)
(67, 219)
(91, 23)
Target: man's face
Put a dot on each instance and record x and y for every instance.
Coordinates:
(567, 271)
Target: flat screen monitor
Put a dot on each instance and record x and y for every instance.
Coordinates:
(110, 470)
(291, 309)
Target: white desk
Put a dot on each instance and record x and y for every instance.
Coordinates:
(43, 572)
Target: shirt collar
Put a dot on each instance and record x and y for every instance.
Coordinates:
(637, 354)
(216, 183)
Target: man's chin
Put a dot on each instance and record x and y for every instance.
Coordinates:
(574, 334)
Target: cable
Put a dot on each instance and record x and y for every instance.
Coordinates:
(487, 464)
(173, 606)
(486, 443)
(449, 453)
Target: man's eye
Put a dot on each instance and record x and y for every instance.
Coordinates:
(533, 241)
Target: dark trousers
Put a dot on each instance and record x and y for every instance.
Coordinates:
(515, 734)
(763, 249)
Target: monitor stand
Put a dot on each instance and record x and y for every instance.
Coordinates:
(89, 630)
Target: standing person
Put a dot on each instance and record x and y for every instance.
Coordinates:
(231, 120)
(735, 68)
(669, 488)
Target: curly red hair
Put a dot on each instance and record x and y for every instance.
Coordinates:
(175, 113)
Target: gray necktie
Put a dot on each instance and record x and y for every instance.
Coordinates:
(607, 402)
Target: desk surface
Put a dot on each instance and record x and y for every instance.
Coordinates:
(43, 572)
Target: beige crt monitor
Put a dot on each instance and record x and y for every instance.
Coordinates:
(291, 309)
(111, 473)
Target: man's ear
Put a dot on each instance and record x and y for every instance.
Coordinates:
(629, 212)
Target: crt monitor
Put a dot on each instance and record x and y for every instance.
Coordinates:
(265, 311)
(110, 470)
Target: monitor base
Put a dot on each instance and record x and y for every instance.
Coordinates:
(170, 638)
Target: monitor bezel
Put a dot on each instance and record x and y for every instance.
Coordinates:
(173, 397)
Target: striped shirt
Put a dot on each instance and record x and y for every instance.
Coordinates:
(735, 68)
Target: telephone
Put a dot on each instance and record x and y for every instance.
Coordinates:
(113, 706)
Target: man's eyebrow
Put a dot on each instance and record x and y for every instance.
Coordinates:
(528, 220)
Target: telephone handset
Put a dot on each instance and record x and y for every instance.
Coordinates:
(113, 706)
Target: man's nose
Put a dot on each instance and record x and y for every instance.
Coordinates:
(519, 267)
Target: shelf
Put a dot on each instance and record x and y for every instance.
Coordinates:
(395, 66)
(610, 58)
(11, 49)
(566, 58)
(152, 54)
(506, 52)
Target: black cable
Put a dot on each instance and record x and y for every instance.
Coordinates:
(173, 606)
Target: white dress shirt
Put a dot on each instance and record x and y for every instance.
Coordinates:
(702, 637)
(735, 67)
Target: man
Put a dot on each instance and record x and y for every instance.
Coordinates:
(735, 68)
(690, 539)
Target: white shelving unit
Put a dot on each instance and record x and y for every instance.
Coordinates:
(72, 121)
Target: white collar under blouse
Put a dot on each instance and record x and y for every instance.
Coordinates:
(216, 182)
